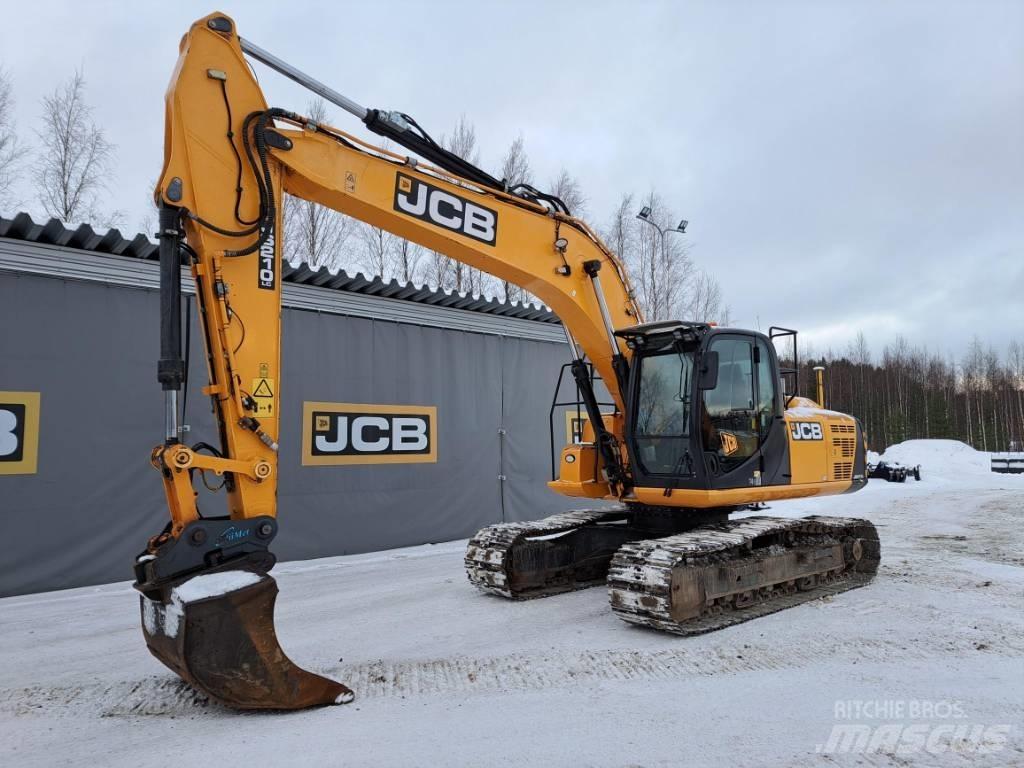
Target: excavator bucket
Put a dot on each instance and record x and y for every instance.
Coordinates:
(216, 631)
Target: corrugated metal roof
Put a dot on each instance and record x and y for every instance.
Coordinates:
(84, 238)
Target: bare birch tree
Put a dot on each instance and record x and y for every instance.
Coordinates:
(567, 188)
(315, 234)
(447, 273)
(147, 222)
(1015, 374)
(976, 383)
(667, 283)
(74, 161)
(660, 264)
(704, 300)
(621, 233)
(515, 165)
(378, 247)
(12, 152)
(407, 258)
(515, 170)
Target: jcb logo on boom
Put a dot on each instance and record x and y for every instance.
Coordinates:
(357, 433)
(268, 263)
(429, 203)
(806, 430)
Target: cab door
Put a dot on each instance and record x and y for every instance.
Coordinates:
(742, 432)
(774, 442)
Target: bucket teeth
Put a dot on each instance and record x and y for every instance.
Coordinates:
(216, 631)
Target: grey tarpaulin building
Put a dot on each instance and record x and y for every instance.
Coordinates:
(79, 312)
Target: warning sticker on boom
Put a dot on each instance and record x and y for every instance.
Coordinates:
(263, 394)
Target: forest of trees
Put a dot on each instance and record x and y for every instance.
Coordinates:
(910, 393)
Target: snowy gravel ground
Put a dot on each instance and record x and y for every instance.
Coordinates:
(446, 676)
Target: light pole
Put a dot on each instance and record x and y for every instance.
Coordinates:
(645, 216)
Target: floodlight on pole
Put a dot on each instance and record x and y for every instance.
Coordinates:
(645, 216)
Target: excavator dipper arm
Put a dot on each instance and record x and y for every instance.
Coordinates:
(228, 159)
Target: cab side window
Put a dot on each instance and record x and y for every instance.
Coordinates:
(729, 412)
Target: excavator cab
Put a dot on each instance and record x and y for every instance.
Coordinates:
(704, 407)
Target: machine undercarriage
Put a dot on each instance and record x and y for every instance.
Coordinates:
(683, 572)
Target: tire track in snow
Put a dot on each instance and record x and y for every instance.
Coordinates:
(167, 695)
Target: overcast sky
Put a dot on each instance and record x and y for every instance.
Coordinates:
(844, 166)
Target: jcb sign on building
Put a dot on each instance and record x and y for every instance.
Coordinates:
(357, 433)
(19, 432)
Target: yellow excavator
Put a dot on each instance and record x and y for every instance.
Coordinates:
(702, 424)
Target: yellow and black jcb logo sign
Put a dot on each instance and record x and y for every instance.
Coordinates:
(576, 425)
(19, 432)
(360, 433)
(729, 443)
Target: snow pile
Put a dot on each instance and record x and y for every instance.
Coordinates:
(947, 459)
(212, 585)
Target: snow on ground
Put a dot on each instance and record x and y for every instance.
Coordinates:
(445, 676)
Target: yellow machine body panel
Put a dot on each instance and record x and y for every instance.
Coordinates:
(822, 444)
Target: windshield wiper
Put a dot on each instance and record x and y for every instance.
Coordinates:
(683, 394)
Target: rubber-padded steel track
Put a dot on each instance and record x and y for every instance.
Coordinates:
(640, 579)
